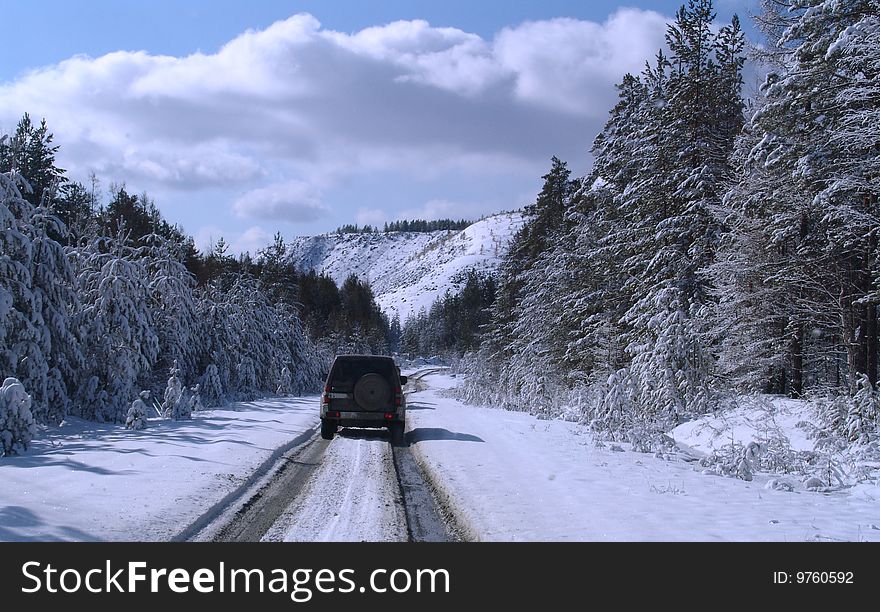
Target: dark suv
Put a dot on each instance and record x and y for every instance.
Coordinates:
(364, 391)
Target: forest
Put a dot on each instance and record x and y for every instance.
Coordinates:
(719, 246)
(102, 300)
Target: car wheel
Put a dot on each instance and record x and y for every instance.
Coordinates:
(328, 428)
(397, 434)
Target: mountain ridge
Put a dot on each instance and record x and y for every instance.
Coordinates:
(409, 270)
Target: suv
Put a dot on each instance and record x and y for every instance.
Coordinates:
(363, 391)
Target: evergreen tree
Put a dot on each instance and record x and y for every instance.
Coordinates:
(803, 202)
(17, 425)
(30, 153)
(120, 343)
(37, 300)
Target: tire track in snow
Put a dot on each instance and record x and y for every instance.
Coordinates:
(257, 515)
(353, 496)
(217, 517)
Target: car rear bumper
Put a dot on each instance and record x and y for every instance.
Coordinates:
(362, 419)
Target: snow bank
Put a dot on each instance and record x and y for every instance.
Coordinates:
(755, 419)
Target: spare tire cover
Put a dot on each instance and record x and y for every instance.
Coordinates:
(372, 392)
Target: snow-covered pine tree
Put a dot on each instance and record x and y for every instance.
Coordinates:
(54, 287)
(174, 397)
(17, 307)
(804, 204)
(17, 426)
(699, 119)
(603, 260)
(29, 152)
(863, 415)
(120, 342)
(47, 348)
(195, 397)
(246, 379)
(172, 305)
(509, 348)
(537, 335)
(136, 418)
(211, 388)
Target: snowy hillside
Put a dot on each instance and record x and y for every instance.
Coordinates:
(409, 270)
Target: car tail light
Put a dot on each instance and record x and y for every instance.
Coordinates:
(333, 414)
(389, 415)
(398, 397)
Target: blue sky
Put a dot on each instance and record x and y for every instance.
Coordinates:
(243, 118)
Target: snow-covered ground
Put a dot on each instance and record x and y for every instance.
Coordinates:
(87, 481)
(408, 271)
(510, 476)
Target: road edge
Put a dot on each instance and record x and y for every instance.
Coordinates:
(244, 492)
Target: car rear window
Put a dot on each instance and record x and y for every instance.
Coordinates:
(346, 372)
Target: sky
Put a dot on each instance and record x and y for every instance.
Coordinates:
(240, 119)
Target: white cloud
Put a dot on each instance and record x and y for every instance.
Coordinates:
(306, 108)
(251, 240)
(569, 64)
(439, 209)
(371, 216)
(294, 201)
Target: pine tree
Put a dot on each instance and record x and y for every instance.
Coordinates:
(172, 304)
(173, 397)
(136, 418)
(699, 123)
(121, 346)
(805, 201)
(29, 152)
(17, 425)
(211, 388)
(42, 347)
(506, 337)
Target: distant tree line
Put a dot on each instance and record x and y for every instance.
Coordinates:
(419, 225)
(453, 324)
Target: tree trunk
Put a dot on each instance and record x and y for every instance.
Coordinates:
(871, 337)
(871, 343)
(796, 353)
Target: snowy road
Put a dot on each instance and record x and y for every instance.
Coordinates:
(352, 496)
(356, 487)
